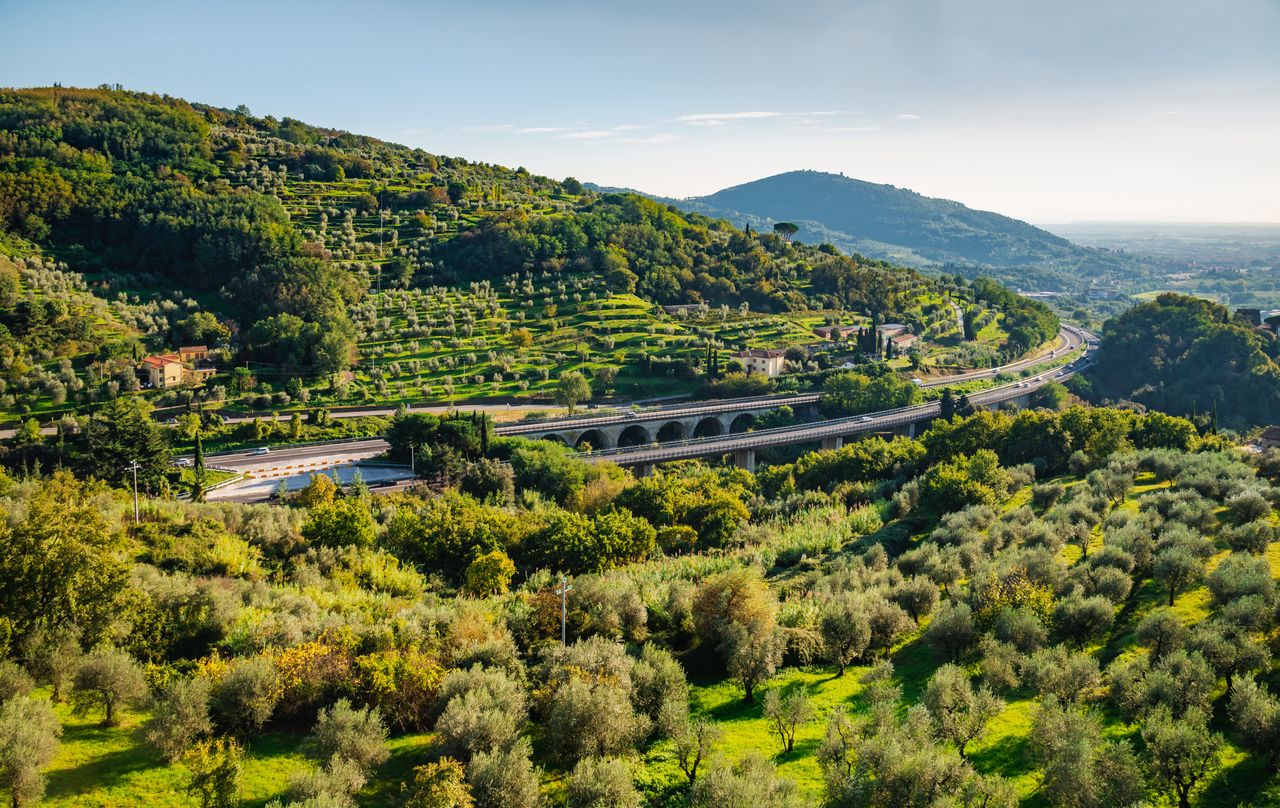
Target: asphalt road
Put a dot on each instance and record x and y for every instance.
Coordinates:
(833, 428)
(381, 479)
(287, 458)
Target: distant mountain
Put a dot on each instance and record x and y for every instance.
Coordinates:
(896, 224)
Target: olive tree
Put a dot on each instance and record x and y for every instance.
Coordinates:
(29, 733)
(244, 699)
(753, 653)
(751, 781)
(787, 711)
(179, 717)
(845, 631)
(1256, 714)
(504, 778)
(355, 734)
(959, 712)
(603, 783)
(1180, 751)
(108, 679)
(1080, 769)
(593, 719)
(694, 741)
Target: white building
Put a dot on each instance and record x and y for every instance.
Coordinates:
(769, 362)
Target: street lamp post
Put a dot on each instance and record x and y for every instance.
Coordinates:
(563, 592)
(134, 468)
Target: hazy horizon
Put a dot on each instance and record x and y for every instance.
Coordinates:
(1101, 111)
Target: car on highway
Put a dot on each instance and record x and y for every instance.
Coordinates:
(866, 419)
(261, 450)
(182, 462)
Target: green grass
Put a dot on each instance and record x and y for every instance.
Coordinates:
(746, 730)
(111, 766)
(104, 767)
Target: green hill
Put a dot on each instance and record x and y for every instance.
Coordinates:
(319, 258)
(1188, 356)
(905, 227)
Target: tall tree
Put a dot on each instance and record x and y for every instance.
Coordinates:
(199, 477)
(572, 390)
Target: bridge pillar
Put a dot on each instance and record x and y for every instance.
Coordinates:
(745, 459)
(643, 470)
(832, 443)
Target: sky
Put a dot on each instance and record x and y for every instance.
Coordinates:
(1049, 111)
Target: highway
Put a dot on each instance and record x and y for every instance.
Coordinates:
(831, 428)
(301, 461)
(1070, 338)
(293, 457)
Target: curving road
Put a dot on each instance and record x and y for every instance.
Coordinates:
(1071, 338)
(838, 427)
(295, 460)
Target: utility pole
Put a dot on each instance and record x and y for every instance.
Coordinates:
(134, 468)
(413, 462)
(563, 592)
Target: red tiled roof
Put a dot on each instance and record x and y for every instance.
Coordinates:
(161, 359)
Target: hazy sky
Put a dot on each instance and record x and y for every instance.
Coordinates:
(1046, 110)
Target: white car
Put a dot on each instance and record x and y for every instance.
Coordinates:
(182, 462)
(261, 450)
(866, 419)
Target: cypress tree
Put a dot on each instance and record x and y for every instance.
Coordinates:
(198, 473)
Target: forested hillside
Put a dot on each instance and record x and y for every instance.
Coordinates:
(1189, 356)
(336, 268)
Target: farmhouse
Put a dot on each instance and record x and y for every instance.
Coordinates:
(833, 333)
(770, 362)
(891, 329)
(904, 341)
(190, 365)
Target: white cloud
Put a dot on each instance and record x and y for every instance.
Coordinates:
(660, 137)
(907, 116)
(541, 130)
(851, 129)
(589, 134)
(490, 127)
(719, 118)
